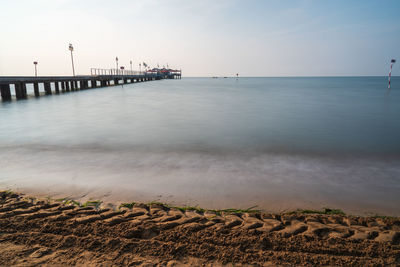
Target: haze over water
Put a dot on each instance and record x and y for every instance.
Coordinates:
(279, 143)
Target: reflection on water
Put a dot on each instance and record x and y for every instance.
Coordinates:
(279, 143)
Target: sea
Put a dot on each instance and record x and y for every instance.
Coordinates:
(278, 144)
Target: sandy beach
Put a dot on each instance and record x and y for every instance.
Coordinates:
(60, 232)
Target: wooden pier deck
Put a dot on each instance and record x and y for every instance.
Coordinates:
(62, 84)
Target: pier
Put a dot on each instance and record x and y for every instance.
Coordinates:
(62, 84)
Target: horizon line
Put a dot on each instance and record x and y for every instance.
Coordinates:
(317, 76)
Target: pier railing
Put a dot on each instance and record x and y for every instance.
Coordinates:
(97, 71)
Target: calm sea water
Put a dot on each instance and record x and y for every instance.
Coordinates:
(279, 143)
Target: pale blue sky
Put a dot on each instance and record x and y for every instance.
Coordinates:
(204, 38)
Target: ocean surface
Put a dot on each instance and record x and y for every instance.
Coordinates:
(276, 143)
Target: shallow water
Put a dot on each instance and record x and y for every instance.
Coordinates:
(279, 143)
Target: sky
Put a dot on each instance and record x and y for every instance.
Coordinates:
(202, 37)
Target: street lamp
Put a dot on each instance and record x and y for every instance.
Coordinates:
(131, 65)
(35, 63)
(122, 70)
(116, 61)
(140, 67)
(71, 48)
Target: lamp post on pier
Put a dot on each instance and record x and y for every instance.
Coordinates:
(71, 48)
(131, 66)
(140, 67)
(116, 61)
(35, 63)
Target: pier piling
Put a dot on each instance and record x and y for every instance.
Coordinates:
(20, 90)
(5, 92)
(47, 88)
(36, 89)
(57, 87)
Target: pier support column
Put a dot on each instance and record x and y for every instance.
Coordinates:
(5, 92)
(76, 85)
(63, 86)
(57, 87)
(20, 90)
(47, 88)
(36, 89)
(125, 81)
(67, 86)
(116, 82)
(72, 85)
(103, 83)
(93, 83)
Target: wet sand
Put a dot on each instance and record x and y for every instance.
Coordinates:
(40, 232)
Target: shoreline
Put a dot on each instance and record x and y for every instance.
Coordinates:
(99, 203)
(114, 199)
(45, 231)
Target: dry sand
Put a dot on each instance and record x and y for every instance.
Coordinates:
(41, 232)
